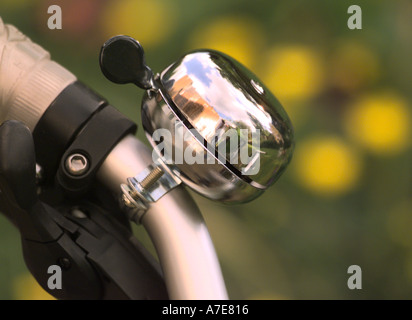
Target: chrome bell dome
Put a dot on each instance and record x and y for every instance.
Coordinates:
(206, 99)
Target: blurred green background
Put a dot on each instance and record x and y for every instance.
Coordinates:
(346, 197)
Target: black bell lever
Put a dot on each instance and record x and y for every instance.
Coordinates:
(122, 61)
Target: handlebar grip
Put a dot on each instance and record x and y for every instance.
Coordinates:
(29, 80)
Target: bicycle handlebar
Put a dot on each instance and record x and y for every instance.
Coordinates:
(29, 83)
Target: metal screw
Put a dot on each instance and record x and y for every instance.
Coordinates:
(151, 178)
(77, 164)
(131, 195)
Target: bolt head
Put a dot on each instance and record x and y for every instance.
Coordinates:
(77, 164)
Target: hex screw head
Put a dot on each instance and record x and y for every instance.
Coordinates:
(77, 164)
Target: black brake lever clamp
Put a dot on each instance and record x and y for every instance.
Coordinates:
(98, 255)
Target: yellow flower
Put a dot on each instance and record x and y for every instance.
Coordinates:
(150, 22)
(380, 123)
(238, 37)
(326, 165)
(26, 288)
(293, 72)
(353, 66)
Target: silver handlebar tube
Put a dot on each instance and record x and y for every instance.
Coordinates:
(175, 225)
(29, 82)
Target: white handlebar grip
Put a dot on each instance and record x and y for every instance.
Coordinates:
(29, 80)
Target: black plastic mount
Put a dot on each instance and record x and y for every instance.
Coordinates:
(65, 117)
(81, 122)
(97, 138)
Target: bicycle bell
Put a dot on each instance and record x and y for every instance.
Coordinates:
(205, 100)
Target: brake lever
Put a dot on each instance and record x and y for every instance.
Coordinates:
(99, 257)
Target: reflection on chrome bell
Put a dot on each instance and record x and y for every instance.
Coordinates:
(230, 137)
